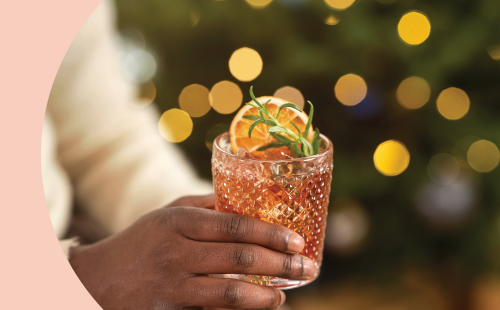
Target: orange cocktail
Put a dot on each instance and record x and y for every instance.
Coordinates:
(292, 192)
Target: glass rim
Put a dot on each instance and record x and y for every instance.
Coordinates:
(303, 159)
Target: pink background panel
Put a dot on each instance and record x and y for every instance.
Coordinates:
(35, 35)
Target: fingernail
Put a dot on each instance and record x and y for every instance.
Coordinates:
(295, 243)
(282, 298)
(308, 267)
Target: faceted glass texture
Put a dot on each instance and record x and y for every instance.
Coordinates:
(293, 193)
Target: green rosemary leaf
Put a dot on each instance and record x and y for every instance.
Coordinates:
(273, 144)
(252, 105)
(267, 102)
(257, 122)
(279, 137)
(306, 146)
(297, 152)
(316, 141)
(269, 122)
(253, 97)
(251, 117)
(288, 105)
(311, 113)
(276, 129)
(298, 130)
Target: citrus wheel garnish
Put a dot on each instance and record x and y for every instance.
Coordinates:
(240, 126)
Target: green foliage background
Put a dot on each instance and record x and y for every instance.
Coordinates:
(298, 49)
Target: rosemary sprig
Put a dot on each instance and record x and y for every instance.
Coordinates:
(296, 142)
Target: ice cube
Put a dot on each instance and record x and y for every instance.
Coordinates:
(242, 152)
(278, 154)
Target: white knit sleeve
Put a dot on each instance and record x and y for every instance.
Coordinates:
(120, 166)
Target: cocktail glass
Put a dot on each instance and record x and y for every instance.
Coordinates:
(291, 192)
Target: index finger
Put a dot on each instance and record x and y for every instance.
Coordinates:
(215, 226)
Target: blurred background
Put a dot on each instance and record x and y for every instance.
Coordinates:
(407, 90)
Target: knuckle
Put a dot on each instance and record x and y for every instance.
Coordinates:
(287, 264)
(274, 299)
(275, 236)
(175, 217)
(233, 295)
(171, 214)
(242, 257)
(236, 226)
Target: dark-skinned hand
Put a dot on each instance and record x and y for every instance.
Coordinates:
(163, 260)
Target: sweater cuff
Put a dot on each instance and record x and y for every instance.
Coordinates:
(68, 244)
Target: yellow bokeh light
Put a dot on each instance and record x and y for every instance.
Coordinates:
(494, 52)
(259, 4)
(339, 4)
(414, 28)
(350, 89)
(245, 64)
(175, 125)
(194, 100)
(332, 20)
(483, 156)
(225, 97)
(290, 94)
(453, 103)
(391, 158)
(413, 92)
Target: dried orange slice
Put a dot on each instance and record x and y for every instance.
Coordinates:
(240, 126)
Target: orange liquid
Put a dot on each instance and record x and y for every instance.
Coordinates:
(298, 202)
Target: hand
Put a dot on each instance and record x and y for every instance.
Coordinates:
(162, 261)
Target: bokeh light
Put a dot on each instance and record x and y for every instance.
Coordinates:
(414, 28)
(213, 133)
(225, 97)
(368, 107)
(245, 64)
(146, 96)
(194, 99)
(453, 103)
(350, 89)
(494, 52)
(447, 206)
(259, 4)
(290, 94)
(175, 125)
(483, 156)
(332, 20)
(339, 4)
(443, 169)
(138, 65)
(132, 38)
(391, 158)
(413, 93)
(348, 226)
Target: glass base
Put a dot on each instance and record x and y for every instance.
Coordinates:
(282, 284)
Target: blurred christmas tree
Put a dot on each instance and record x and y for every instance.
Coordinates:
(439, 212)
